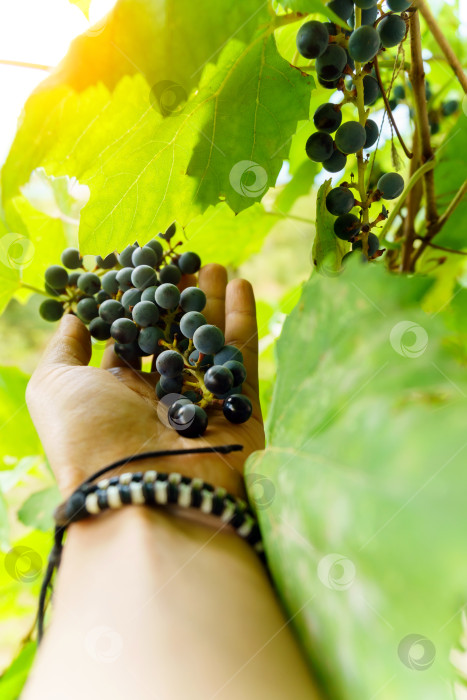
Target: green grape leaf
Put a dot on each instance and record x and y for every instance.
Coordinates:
(361, 490)
(313, 7)
(37, 510)
(4, 524)
(328, 250)
(17, 434)
(14, 678)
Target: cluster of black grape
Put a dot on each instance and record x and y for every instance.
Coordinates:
(336, 51)
(133, 298)
(435, 114)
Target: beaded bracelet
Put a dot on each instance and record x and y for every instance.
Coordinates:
(150, 488)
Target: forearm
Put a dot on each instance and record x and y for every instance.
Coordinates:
(153, 605)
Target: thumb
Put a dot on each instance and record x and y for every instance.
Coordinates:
(71, 344)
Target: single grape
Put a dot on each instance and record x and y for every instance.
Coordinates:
(167, 296)
(449, 107)
(51, 310)
(399, 92)
(228, 352)
(373, 244)
(108, 262)
(372, 133)
(347, 226)
(170, 274)
(71, 258)
(233, 390)
(365, 4)
(208, 339)
(123, 330)
(130, 352)
(393, 104)
(368, 16)
(190, 322)
(319, 146)
(130, 298)
(332, 62)
(102, 296)
(169, 233)
(189, 420)
(148, 340)
(86, 309)
(143, 276)
(145, 313)
(328, 117)
(364, 44)
(125, 256)
(329, 84)
(172, 385)
(56, 276)
(336, 162)
(218, 379)
(160, 393)
(207, 360)
(124, 278)
(73, 278)
(342, 8)
(340, 200)
(109, 282)
(237, 408)
(110, 310)
(350, 137)
(192, 299)
(99, 329)
(149, 294)
(169, 363)
(238, 371)
(189, 263)
(333, 29)
(399, 5)
(312, 39)
(144, 256)
(89, 283)
(157, 248)
(371, 91)
(390, 185)
(391, 30)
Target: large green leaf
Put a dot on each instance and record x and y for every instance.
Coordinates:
(363, 486)
(14, 678)
(17, 434)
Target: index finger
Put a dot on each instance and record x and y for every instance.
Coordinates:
(241, 328)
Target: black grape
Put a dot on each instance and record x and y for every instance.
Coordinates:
(167, 296)
(124, 278)
(208, 339)
(109, 282)
(189, 263)
(130, 352)
(207, 360)
(372, 133)
(71, 258)
(371, 91)
(350, 137)
(319, 146)
(123, 330)
(332, 28)
(449, 107)
(56, 276)
(143, 276)
(340, 200)
(218, 379)
(73, 278)
(89, 283)
(332, 62)
(373, 244)
(364, 44)
(110, 310)
(336, 162)
(148, 340)
(149, 294)
(391, 30)
(102, 296)
(342, 8)
(86, 309)
(399, 92)
(169, 363)
(228, 352)
(328, 84)
(192, 299)
(190, 322)
(390, 185)
(238, 371)
(189, 420)
(130, 298)
(125, 256)
(347, 226)
(365, 4)
(170, 274)
(145, 313)
(108, 262)
(328, 117)
(171, 385)
(51, 310)
(191, 395)
(237, 408)
(157, 248)
(312, 39)
(399, 5)
(368, 16)
(144, 256)
(99, 329)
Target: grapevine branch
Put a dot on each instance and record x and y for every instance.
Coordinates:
(443, 43)
(388, 109)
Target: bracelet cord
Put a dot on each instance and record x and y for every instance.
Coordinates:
(148, 488)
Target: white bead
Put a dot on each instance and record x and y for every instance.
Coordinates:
(92, 505)
(125, 478)
(102, 484)
(228, 512)
(206, 503)
(136, 488)
(197, 483)
(113, 497)
(245, 529)
(161, 492)
(150, 475)
(175, 478)
(184, 495)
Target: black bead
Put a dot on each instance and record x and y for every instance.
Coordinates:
(196, 497)
(162, 476)
(172, 493)
(125, 493)
(102, 499)
(239, 517)
(148, 493)
(254, 535)
(218, 504)
(75, 508)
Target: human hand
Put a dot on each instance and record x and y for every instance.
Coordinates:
(88, 417)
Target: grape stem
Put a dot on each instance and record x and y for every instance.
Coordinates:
(362, 116)
(37, 290)
(408, 153)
